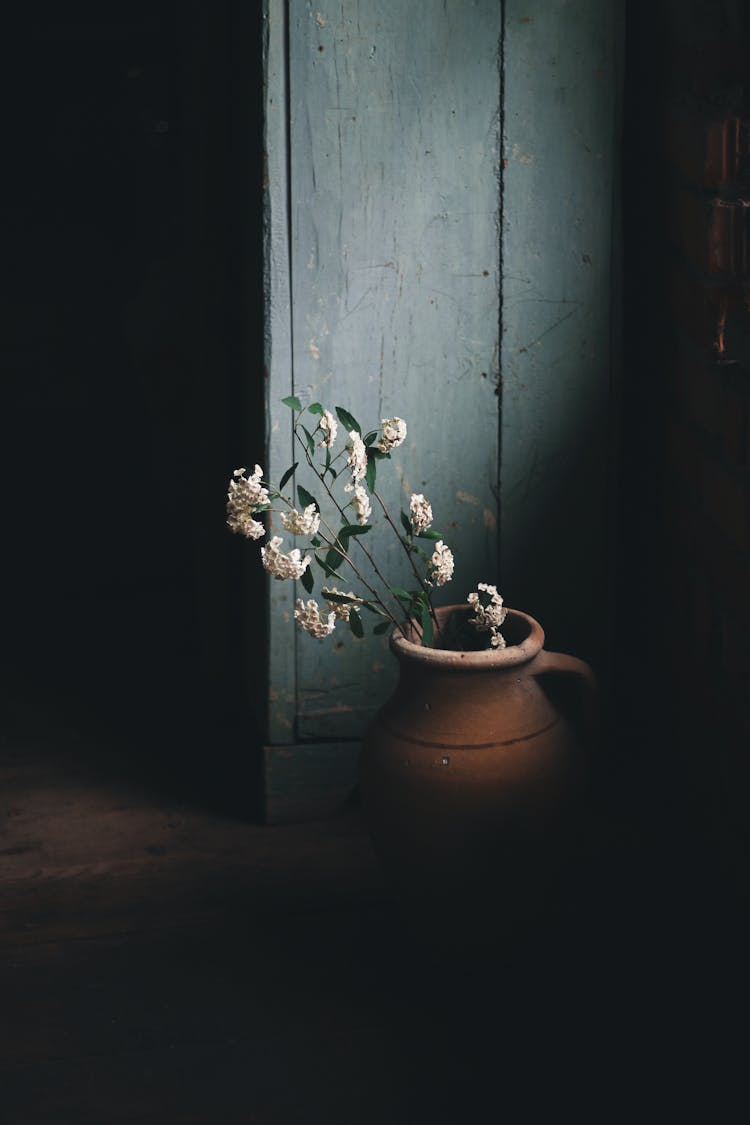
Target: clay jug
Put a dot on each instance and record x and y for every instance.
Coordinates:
(472, 774)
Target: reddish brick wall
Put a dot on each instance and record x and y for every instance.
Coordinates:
(694, 374)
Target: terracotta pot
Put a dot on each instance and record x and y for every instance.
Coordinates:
(472, 773)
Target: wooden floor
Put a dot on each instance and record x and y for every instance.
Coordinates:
(163, 961)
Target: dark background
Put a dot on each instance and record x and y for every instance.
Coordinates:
(131, 360)
(132, 381)
(162, 960)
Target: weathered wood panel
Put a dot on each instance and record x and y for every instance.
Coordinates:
(280, 714)
(560, 135)
(394, 142)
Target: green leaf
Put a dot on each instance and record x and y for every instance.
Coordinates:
(307, 579)
(371, 471)
(370, 438)
(306, 498)
(355, 529)
(427, 626)
(310, 440)
(315, 542)
(333, 558)
(340, 599)
(328, 570)
(373, 608)
(406, 524)
(382, 627)
(430, 535)
(315, 408)
(402, 595)
(287, 475)
(355, 624)
(292, 402)
(328, 466)
(347, 420)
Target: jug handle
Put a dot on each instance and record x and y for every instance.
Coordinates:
(559, 664)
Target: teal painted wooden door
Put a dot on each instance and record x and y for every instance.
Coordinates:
(561, 65)
(393, 197)
(385, 253)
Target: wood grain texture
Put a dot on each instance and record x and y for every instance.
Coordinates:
(559, 146)
(80, 841)
(279, 708)
(393, 268)
(161, 961)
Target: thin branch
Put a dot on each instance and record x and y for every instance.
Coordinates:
(336, 544)
(340, 510)
(420, 580)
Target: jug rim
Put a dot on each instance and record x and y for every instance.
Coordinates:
(524, 635)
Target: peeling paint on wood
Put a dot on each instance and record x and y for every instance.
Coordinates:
(279, 721)
(561, 132)
(391, 254)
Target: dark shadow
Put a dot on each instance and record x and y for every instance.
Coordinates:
(132, 371)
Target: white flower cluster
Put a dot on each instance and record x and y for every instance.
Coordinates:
(280, 565)
(330, 428)
(362, 504)
(421, 512)
(394, 432)
(308, 617)
(357, 459)
(245, 497)
(342, 610)
(441, 564)
(302, 523)
(248, 496)
(489, 613)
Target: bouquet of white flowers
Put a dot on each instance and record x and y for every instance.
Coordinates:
(346, 547)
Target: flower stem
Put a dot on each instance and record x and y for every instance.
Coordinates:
(337, 545)
(420, 580)
(344, 554)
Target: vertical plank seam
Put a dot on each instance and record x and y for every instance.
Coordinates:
(290, 272)
(501, 287)
(279, 718)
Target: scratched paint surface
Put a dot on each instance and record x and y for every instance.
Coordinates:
(280, 709)
(393, 267)
(560, 137)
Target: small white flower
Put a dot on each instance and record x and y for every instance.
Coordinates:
(302, 523)
(441, 564)
(342, 610)
(249, 489)
(280, 565)
(357, 459)
(329, 426)
(308, 617)
(489, 613)
(394, 432)
(421, 512)
(362, 504)
(243, 524)
(245, 497)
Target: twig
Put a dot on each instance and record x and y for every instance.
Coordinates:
(420, 580)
